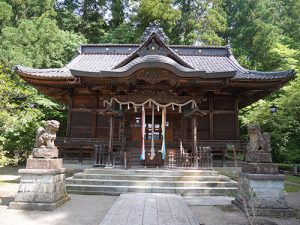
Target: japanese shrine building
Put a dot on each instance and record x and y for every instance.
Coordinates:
(116, 94)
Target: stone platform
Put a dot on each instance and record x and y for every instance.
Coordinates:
(150, 209)
(261, 187)
(42, 185)
(268, 197)
(40, 189)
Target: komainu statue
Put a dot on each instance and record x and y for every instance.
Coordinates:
(44, 141)
(45, 136)
(258, 141)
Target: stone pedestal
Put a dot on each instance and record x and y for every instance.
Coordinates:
(45, 152)
(42, 185)
(262, 187)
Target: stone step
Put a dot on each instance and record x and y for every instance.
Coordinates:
(147, 183)
(153, 171)
(116, 190)
(150, 178)
(208, 200)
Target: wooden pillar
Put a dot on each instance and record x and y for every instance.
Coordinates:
(194, 138)
(110, 142)
(69, 119)
(94, 128)
(237, 125)
(211, 118)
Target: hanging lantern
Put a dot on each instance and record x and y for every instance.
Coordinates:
(120, 105)
(128, 106)
(149, 103)
(157, 108)
(180, 111)
(173, 107)
(135, 109)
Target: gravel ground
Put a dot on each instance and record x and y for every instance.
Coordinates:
(231, 215)
(80, 210)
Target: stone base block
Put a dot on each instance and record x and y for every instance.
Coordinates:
(260, 168)
(44, 152)
(40, 189)
(38, 163)
(38, 206)
(265, 192)
(258, 157)
(268, 212)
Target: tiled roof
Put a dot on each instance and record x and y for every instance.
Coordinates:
(114, 60)
(95, 62)
(258, 75)
(58, 73)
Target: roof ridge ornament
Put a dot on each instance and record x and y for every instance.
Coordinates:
(229, 49)
(154, 28)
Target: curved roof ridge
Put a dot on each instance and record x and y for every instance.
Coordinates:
(236, 64)
(154, 59)
(244, 73)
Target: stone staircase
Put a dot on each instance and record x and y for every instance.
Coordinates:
(187, 182)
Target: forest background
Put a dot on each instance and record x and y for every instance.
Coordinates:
(264, 35)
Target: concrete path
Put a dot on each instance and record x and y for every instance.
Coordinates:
(150, 209)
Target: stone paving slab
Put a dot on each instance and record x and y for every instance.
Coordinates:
(150, 209)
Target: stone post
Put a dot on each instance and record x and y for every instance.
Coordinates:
(42, 185)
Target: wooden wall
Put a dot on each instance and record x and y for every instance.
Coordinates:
(220, 121)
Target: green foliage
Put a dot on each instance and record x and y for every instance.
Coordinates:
(126, 33)
(265, 35)
(6, 14)
(18, 119)
(285, 167)
(159, 11)
(117, 12)
(284, 125)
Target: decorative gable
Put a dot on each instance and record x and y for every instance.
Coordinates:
(154, 43)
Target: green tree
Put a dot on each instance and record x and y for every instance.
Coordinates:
(201, 22)
(253, 30)
(161, 11)
(125, 33)
(26, 9)
(117, 13)
(92, 24)
(18, 118)
(67, 16)
(37, 43)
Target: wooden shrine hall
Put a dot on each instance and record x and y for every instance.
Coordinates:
(153, 104)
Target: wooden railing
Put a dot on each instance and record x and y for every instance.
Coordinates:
(85, 148)
(219, 148)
